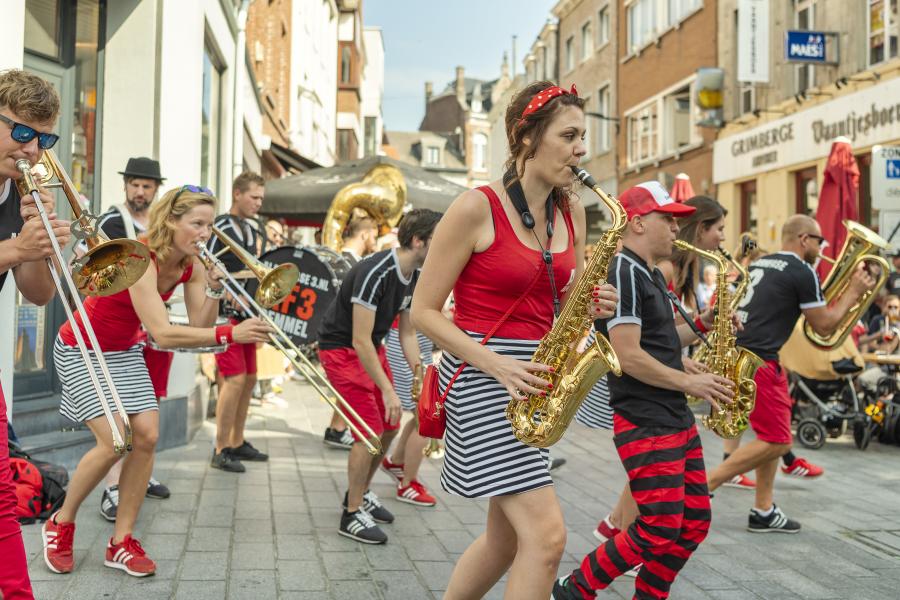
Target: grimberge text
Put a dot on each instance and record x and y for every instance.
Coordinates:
(764, 139)
(854, 123)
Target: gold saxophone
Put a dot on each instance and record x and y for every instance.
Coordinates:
(722, 356)
(541, 421)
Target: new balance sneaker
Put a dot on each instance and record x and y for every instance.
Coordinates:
(155, 489)
(246, 451)
(226, 462)
(361, 527)
(58, 538)
(606, 530)
(395, 470)
(342, 440)
(415, 493)
(109, 503)
(741, 482)
(372, 505)
(776, 522)
(801, 468)
(129, 556)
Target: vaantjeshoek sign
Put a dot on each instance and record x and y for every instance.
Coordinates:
(885, 175)
(868, 117)
(753, 41)
(811, 47)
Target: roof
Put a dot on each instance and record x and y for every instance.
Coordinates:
(408, 145)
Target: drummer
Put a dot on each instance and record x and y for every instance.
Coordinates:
(237, 365)
(129, 219)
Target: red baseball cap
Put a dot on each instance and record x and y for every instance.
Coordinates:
(649, 197)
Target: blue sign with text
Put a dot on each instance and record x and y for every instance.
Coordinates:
(806, 46)
(893, 168)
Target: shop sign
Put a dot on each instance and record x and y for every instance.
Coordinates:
(811, 47)
(867, 117)
(885, 175)
(753, 41)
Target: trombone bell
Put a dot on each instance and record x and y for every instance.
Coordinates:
(277, 284)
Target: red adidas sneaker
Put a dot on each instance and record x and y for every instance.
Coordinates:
(58, 538)
(415, 493)
(605, 530)
(803, 469)
(395, 470)
(129, 556)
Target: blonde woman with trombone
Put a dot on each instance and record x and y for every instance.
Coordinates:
(181, 219)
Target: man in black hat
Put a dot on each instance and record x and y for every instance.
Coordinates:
(129, 220)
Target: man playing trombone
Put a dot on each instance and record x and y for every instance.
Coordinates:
(29, 107)
(373, 293)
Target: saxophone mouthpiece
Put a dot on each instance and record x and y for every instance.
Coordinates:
(584, 176)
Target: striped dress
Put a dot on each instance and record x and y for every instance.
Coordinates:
(402, 376)
(595, 412)
(483, 458)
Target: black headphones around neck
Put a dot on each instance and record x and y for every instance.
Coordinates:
(517, 196)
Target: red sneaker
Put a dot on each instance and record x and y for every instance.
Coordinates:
(395, 470)
(742, 482)
(415, 493)
(129, 556)
(605, 530)
(801, 468)
(58, 538)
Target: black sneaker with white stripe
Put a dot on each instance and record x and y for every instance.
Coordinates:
(775, 522)
(109, 503)
(372, 505)
(361, 527)
(342, 440)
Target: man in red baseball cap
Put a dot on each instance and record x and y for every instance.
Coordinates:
(655, 434)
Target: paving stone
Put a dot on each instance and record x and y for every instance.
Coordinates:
(200, 590)
(400, 584)
(346, 565)
(252, 556)
(251, 585)
(209, 539)
(300, 575)
(436, 575)
(204, 566)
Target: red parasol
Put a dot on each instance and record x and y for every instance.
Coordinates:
(838, 199)
(682, 189)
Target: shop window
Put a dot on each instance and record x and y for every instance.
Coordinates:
(804, 19)
(643, 134)
(806, 189)
(603, 26)
(210, 121)
(587, 41)
(749, 220)
(883, 24)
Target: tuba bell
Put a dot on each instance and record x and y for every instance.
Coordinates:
(381, 194)
(861, 246)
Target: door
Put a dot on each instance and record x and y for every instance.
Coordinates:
(36, 326)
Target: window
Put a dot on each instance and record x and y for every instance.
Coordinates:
(346, 144)
(479, 152)
(433, 155)
(804, 18)
(570, 53)
(603, 26)
(371, 133)
(883, 23)
(345, 64)
(643, 137)
(679, 9)
(42, 30)
(641, 23)
(679, 120)
(601, 128)
(211, 115)
(746, 97)
(748, 207)
(587, 41)
(545, 64)
(806, 191)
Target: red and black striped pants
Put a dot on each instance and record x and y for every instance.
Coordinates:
(667, 478)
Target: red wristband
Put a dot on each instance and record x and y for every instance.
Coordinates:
(224, 334)
(700, 325)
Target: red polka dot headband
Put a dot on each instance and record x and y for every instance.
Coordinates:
(543, 97)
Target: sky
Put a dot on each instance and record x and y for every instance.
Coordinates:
(425, 40)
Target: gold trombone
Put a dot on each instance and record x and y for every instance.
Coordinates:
(274, 285)
(107, 268)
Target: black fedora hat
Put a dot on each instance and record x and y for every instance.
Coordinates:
(143, 167)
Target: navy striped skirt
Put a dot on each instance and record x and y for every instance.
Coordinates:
(129, 374)
(482, 456)
(595, 411)
(400, 372)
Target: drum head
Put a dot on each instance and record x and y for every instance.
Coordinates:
(321, 270)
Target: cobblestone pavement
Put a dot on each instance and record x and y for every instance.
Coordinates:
(271, 532)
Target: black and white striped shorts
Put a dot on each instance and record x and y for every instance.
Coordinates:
(400, 372)
(482, 456)
(129, 374)
(595, 411)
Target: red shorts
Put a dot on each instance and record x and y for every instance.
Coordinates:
(237, 359)
(158, 364)
(771, 417)
(348, 376)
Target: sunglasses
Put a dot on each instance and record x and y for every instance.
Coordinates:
(197, 189)
(24, 134)
(819, 239)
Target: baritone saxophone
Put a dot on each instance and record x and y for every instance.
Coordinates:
(541, 421)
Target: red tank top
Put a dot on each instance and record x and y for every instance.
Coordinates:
(495, 278)
(114, 319)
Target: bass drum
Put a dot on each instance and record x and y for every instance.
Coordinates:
(321, 272)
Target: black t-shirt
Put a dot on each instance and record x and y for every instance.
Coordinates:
(10, 217)
(351, 257)
(242, 231)
(112, 224)
(643, 303)
(375, 283)
(781, 286)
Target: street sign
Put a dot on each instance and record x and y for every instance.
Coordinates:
(819, 47)
(885, 177)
